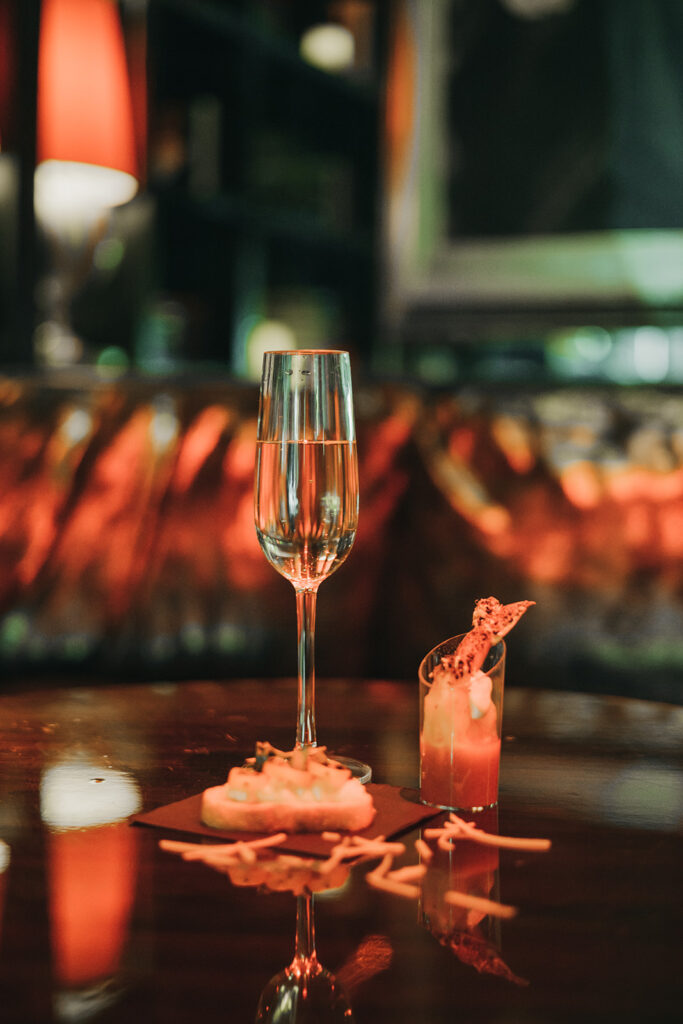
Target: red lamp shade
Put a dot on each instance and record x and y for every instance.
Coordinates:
(84, 101)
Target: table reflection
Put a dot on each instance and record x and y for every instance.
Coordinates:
(5, 857)
(94, 911)
(455, 884)
(92, 863)
(305, 992)
(467, 929)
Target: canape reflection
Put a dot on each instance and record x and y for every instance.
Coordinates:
(456, 884)
(283, 873)
(304, 991)
(92, 858)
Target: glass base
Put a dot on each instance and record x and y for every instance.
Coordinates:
(359, 770)
(459, 810)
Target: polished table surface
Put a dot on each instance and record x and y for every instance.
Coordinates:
(99, 923)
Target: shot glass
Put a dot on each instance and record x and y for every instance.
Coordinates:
(460, 730)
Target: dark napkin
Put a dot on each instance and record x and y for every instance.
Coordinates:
(395, 814)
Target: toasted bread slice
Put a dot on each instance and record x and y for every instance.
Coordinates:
(297, 791)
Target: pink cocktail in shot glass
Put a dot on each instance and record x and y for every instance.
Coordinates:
(460, 730)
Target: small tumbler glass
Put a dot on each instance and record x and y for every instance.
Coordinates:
(460, 730)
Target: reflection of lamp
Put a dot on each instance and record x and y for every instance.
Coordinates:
(92, 867)
(4, 865)
(85, 145)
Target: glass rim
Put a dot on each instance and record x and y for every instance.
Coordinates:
(306, 352)
(422, 674)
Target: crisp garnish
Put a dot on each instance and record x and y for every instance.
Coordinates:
(402, 881)
(274, 775)
(492, 907)
(223, 853)
(456, 828)
(491, 621)
(297, 757)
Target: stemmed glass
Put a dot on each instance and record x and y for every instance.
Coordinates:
(306, 492)
(305, 992)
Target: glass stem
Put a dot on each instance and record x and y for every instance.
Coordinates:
(305, 619)
(304, 950)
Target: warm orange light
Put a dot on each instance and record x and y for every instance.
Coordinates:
(400, 112)
(84, 102)
(92, 886)
(201, 438)
(581, 484)
(4, 865)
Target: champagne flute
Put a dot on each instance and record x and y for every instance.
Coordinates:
(306, 493)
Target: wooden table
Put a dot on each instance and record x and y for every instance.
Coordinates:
(597, 935)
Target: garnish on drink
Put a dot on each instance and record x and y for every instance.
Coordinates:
(461, 710)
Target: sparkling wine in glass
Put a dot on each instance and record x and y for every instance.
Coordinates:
(306, 493)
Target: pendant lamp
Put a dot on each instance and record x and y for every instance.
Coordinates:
(85, 134)
(86, 156)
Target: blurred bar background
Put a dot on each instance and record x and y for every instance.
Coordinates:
(481, 199)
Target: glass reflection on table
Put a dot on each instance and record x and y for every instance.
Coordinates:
(304, 992)
(470, 933)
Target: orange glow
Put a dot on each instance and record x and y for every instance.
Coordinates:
(638, 525)
(92, 874)
(551, 557)
(4, 869)
(62, 458)
(400, 92)
(84, 102)
(666, 486)
(381, 480)
(588, 523)
(628, 484)
(42, 531)
(494, 520)
(200, 440)
(669, 529)
(581, 483)
(105, 529)
(246, 565)
(388, 436)
(516, 443)
(461, 442)
(240, 457)
(466, 492)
